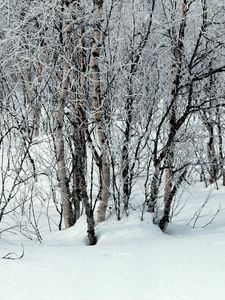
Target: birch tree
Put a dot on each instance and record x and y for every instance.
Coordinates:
(98, 106)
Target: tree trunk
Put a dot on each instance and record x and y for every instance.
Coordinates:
(80, 128)
(172, 190)
(97, 104)
(58, 133)
(177, 44)
(154, 190)
(126, 176)
(32, 100)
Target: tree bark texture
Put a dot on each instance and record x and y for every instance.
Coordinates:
(80, 128)
(97, 104)
(58, 133)
(32, 98)
(177, 46)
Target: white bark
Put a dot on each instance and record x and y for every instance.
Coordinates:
(97, 106)
(58, 134)
(32, 99)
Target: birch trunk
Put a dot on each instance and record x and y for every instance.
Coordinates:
(211, 151)
(209, 122)
(97, 104)
(170, 195)
(154, 191)
(126, 176)
(58, 134)
(80, 123)
(177, 44)
(80, 127)
(33, 106)
(39, 70)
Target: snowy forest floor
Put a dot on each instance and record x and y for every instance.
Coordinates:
(132, 259)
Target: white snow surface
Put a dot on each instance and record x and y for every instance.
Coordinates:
(132, 260)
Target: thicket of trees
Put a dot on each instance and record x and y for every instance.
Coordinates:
(121, 90)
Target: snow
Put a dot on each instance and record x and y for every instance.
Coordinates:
(132, 260)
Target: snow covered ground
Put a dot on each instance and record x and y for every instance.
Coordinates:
(132, 259)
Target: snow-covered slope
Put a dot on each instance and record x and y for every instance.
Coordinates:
(132, 260)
